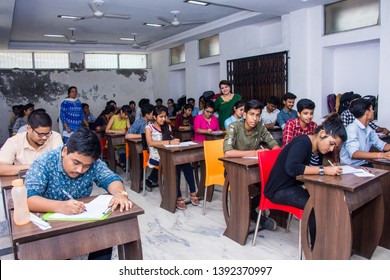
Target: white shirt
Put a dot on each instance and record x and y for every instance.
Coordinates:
(267, 118)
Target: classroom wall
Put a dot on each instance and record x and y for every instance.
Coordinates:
(46, 89)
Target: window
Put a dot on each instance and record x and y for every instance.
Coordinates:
(132, 61)
(351, 14)
(10, 60)
(177, 54)
(51, 60)
(209, 46)
(101, 61)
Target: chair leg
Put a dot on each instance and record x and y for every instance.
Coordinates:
(257, 228)
(204, 201)
(144, 183)
(288, 222)
(300, 241)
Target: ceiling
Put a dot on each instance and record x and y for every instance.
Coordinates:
(23, 23)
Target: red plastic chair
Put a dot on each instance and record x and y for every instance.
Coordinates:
(267, 160)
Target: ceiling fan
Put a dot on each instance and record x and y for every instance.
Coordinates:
(96, 12)
(71, 39)
(136, 45)
(175, 22)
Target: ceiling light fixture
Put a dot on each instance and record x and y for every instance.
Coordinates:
(201, 3)
(153, 24)
(54, 35)
(126, 39)
(68, 17)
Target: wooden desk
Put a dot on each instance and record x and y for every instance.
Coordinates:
(113, 140)
(349, 215)
(169, 158)
(70, 239)
(6, 187)
(240, 173)
(134, 161)
(385, 183)
(183, 135)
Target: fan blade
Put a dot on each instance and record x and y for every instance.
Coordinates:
(192, 22)
(144, 43)
(85, 17)
(86, 42)
(164, 20)
(117, 16)
(93, 6)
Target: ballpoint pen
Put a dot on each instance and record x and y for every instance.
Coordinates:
(108, 210)
(330, 162)
(366, 169)
(70, 197)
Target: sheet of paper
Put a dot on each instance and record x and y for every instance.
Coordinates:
(182, 144)
(349, 170)
(251, 157)
(95, 210)
(364, 174)
(39, 222)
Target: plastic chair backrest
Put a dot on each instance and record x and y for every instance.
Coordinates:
(267, 160)
(213, 149)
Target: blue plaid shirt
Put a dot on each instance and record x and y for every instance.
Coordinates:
(47, 178)
(138, 126)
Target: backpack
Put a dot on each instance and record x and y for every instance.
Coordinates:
(331, 101)
(345, 99)
(208, 95)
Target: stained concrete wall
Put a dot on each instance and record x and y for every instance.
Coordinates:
(47, 88)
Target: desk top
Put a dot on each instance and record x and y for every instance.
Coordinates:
(348, 182)
(7, 180)
(381, 161)
(246, 161)
(134, 140)
(181, 148)
(30, 231)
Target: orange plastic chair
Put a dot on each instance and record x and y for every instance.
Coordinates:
(145, 161)
(267, 160)
(213, 149)
(127, 160)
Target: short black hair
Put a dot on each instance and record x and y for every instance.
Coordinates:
(224, 82)
(143, 101)
(131, 103)
(39, 118)
(25, 108)
(333, 126)
(70, 88)
(191, 99)
(289, 95)
(126, 109)
(253, 104)
(359, 107)
(84, 141)
(274, 100)
(159, 100)
(147, 109)
(305, 103)
(188, 106)
(208, 104)
(83, 105)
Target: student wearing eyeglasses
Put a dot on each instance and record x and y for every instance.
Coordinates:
(205, 123)
(21, 150)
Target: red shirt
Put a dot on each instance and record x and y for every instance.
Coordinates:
(293, 129)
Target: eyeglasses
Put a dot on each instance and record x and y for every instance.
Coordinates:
(209, 112)
(41, 135)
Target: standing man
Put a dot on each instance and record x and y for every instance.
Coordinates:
(287, 113)
(72, 169)
(71, 114)
(245, 138)
(270, 114)
(21, 150)
(361, 137)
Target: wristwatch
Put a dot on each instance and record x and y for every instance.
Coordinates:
(124, 193)
(322, 170)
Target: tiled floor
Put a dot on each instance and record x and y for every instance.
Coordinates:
(188, 235)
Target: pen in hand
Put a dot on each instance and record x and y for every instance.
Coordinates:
(71, 197)
(330, 163)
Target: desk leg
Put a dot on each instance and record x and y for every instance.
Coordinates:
(130, 251)
(135, 170)
(111, 155)
(167, 182)
(237, 221)
(200, 181)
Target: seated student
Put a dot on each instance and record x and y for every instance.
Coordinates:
(205, 123)
(133, 114)
(21, 150)
(185, 120)
(141, 103)
(101, 122)
(160, 133)
(348, 118)
(159, 102)
(287, 113)
(88, 115)
(303, 124)
(16, 110)
(195, 110)
(139, 125)
(73, 168)
(361, 137)
(172, 110)
(245, 138)
(283, 187)
(237, 112)
(23, 117)
(24, 127)
(270, 113)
